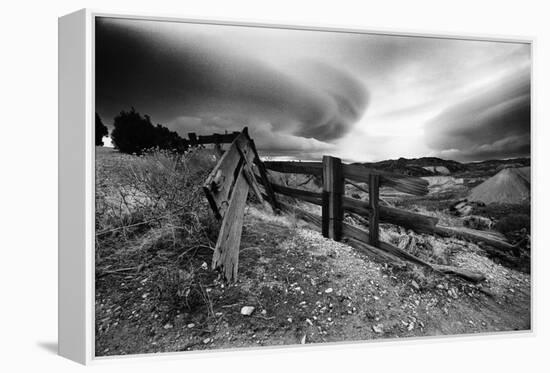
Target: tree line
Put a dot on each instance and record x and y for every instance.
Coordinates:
(134, 133)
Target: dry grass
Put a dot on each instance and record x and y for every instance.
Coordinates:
(152, 221)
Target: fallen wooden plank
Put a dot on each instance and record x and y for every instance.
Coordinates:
(474, 236)
(363, 236)
(313, 168)
(378, 254)
(305, 195)
(410, 220)
(460, 272)
(302, 214)
(392, 254)
(226, 253)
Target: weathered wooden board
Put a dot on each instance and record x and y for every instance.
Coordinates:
(226, 253)
(402, 183)
(363, 236)
(374, 213)
(375, 252)
(475, 236)
(305, 195)
(313, 168)
(219, 184)
(410, 220)
(333, 190)
(260, 166)
(388, 253)
(312, 218)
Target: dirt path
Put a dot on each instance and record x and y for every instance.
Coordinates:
(308, 289)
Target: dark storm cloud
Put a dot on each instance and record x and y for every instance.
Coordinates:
(189, 84)
(493, 123)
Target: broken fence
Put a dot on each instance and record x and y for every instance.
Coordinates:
(240, 170)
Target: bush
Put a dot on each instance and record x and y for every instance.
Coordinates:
(135, 134)
(513, 223)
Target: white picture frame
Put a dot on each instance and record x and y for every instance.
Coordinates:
(77, 169)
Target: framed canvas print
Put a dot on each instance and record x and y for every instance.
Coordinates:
(228, 185)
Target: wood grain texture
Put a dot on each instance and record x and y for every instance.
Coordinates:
(312, 168)
(226, 253)
(333, 191)
(260, 166)
(374, 213)
(410, 220)
(305, 195)
(361, 235)
(475, 236)
(222, 178)
(402, 183)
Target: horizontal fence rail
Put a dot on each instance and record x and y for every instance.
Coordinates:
(401, 183)
(311, 168)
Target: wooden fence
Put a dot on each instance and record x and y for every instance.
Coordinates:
(334, 203)
(240, 170)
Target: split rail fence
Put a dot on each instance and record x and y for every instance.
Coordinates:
(241, 170)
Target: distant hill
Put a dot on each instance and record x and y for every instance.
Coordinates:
(511, 185)
(427, 166)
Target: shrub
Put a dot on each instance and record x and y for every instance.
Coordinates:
(152, 217)
(513, 222)
(135, 134)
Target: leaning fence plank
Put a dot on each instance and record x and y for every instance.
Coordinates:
(248, 171)
(263, 175)
(226, 253)
(218, 184)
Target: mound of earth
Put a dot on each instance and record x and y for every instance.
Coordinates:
(511, 185)
(438, 170)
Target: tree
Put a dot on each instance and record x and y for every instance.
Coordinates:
(100, 130)
(134, 133)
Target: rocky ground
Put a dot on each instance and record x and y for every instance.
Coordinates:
(297, 287)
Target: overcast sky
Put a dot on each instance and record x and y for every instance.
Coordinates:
(362, 97)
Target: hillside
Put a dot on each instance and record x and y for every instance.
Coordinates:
(418, 166)
(155, 291)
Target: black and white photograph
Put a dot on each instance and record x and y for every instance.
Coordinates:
(263, 186)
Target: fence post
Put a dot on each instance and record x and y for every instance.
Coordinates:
(192, 138)
(333, 189)
(374, 216)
